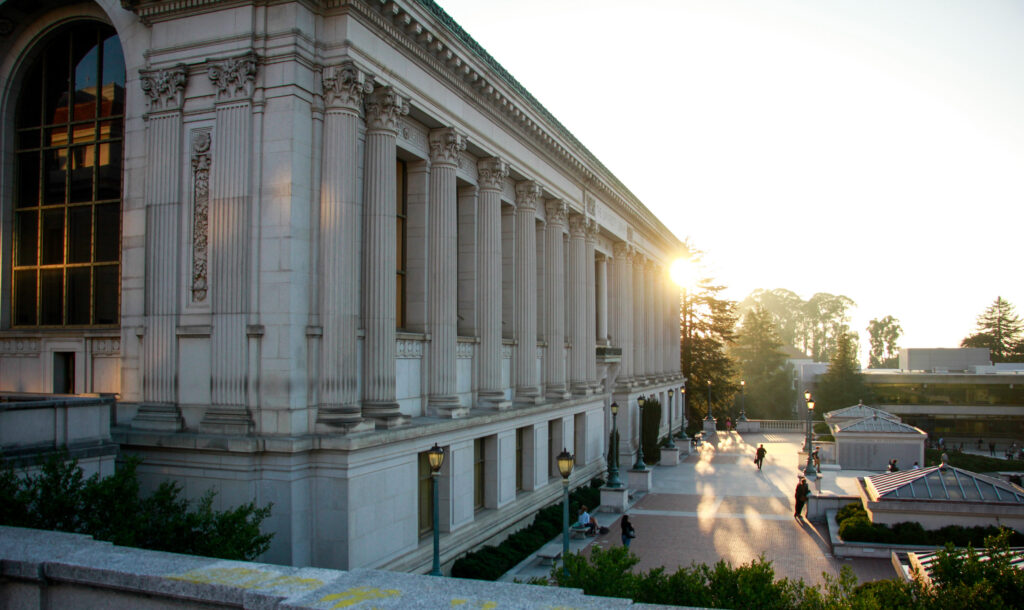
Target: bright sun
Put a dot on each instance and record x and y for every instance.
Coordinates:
(683, 273)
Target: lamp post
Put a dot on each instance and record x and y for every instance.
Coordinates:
(743, 401)
(613, 451)
(709, 418)
(639, 465)
(682, 411)
(809, 470)
(436, 457)
(565, 463)
(668, 442)
(807, 441)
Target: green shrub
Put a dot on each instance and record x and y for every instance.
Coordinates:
(652, 425)
(111, 509)
(850, 510)
(820, 427)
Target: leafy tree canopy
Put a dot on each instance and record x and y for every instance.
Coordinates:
(842, 385)
(884, 335)
(1001, 331)
(763, 366)
(813, 326)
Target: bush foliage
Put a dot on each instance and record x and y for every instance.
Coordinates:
(652, 431)
(60, 498)
(855, 526)
(491, 562)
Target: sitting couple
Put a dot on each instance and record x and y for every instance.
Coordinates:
(587, 520)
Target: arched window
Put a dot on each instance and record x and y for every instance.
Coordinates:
(67, 193)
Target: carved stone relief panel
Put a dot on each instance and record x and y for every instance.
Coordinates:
(201, 158)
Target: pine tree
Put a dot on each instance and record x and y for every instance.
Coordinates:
(763, 366)
(843, 384)
(1000, 330)
(706, 333)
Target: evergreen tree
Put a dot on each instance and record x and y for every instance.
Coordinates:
(1000, 330)
(843, 384)
(825, 320)
(764, 367)
(884, 334)
(707, 325)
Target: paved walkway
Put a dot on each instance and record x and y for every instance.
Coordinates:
(717, 505)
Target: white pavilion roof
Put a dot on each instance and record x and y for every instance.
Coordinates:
(874, 423)
(946, 483)
(859, 411)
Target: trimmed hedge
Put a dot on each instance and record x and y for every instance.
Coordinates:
(491, 562)
(855, 526)
(969, 461)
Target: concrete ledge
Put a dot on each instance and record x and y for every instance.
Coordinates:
(57, 570)
(872, 550)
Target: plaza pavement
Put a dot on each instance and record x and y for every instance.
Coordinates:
(717, 505)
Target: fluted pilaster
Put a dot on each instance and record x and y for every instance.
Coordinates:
(577, 304)
(445, 146)
(492, 174)
(622, 318)
(554, 294)
(384, 109)
(590, 299)
(528, 195)
(639, 320)
(651, 367)
(339, 247)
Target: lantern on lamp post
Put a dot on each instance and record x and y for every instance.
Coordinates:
(640, 465)
(435, 457)
(743, 401)
(809, 470)
(613, 451)
(565, 463)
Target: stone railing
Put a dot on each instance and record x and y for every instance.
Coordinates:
(772, 425)
(40, 569)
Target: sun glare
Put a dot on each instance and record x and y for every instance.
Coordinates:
(684, 273)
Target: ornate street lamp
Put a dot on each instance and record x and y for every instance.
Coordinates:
(613, 451)
(809, 471)
(436, 458)
(709, 418)
(682, 411)
(743, 401)
(639, 465)
(807, 441)
(668, 442)
(565, 464)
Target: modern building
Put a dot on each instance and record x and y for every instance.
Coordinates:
(302, 242)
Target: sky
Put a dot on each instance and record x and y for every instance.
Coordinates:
(870, 148)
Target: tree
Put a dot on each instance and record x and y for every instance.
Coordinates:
(842, 385)
(785, 307)
(1000, 330)
(707, 325)
(825, 320)
(884, 334)
(763, 366)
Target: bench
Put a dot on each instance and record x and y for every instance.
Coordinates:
(549, 553)
(577, 532)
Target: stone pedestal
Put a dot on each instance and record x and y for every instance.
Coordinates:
(640, 480)
(710, 430)
(614, 500)
(669, 457)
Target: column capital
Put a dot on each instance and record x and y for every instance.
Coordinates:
(557, 211)
(345, 86)
(592, 228)
(491, 173)
(384, 109)
(445, 146)
(620, 250)
(164, 89)
(528, 194)
(637, 257)
(577, 225)
(235, 77)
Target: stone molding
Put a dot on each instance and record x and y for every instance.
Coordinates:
(557, 211)
(408, 348)
(506, 352)
(106, 347)
(445, 145)
(385, 108)
(234, 78)
(201, 159)
(492, 173)
(164, 89)
(345, 86)
(528, 194)
(464, 351)
(20, 346)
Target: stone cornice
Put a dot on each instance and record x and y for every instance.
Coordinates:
(445, 146)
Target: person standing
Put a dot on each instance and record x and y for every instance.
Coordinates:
(628, 533)
(759, 456)
(802, 491)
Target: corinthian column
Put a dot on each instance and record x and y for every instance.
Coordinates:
(445, 146)
(527, 196)
(622, 318)
(651, 315)
(639, 321)
(384, 107)
(554, 293)
(338, 408)
(577, 304)
(590, 298)
(491, 179)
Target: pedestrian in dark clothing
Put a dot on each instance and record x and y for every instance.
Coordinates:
(628, 533)
(759, 456)
(802, 491)
(992, 449)
(892, 466)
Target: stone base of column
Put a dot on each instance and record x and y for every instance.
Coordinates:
(669, 457)
(527, 397)
(385, 415)
(640, 480)
(160, 417)
(558, 392)
(332, 420)
(447, 407)
(581, 389)
(493, 401)
(226, 420)
(614, 500)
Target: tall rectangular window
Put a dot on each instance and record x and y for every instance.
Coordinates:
(401, 220)
(520, 433)
(425, 488)
(479, 478)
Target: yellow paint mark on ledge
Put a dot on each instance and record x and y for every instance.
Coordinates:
(358, 595)
(247, 578)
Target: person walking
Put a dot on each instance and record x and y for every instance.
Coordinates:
(816, 459)
(759, 456)
(802, 491)
(628, 532)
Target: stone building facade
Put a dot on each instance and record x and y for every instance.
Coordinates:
(302, 242)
